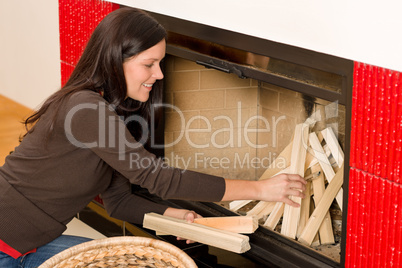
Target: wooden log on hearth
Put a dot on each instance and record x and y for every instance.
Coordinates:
(275, 216)
(321, 210)
(338, 155)
(325, 231)
(324, 163)
(262, 208)
(304, 209)
(291, 215)
(333, 145)
(238, 204)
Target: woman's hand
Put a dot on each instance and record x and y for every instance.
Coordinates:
(182, 214)
(278, 189)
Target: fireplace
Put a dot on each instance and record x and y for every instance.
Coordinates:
(232, 102)
(371, 188)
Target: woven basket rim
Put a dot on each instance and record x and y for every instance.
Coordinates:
(186, 260)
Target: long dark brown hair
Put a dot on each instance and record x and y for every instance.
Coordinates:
(119, 36)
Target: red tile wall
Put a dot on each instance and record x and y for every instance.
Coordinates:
(374, 227)
(77, 20)
(377, 117)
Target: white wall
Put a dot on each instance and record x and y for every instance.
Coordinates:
(361, 30)
(29, 50)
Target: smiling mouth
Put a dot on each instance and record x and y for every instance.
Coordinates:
(147, 85)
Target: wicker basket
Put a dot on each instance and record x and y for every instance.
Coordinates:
(124, 251)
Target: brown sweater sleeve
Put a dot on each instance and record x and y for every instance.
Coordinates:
(93, 124)
(122, 204)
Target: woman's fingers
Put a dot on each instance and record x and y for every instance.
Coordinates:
(281, 187)
(296, 177)
(295, 193)
(291, 203)
(189, 217)
(297, 185)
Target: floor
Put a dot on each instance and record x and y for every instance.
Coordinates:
(12, 114)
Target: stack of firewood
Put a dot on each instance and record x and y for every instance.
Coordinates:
(314, 155)
(319, 157)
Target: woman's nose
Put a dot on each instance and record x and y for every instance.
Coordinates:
(158, 74)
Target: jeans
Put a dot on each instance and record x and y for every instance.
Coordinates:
(42, 253)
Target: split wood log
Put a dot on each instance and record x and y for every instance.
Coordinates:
(236, 224)
(313, 175)
(263, 214)
(316, 240)
(266, 211)
(238, 204)
(324, 163)
(304, 209)
(275, 216)
(210, 236)
(311, 160)
(333, 145)
(325, 231)
(330, 157)
(257, 209)
(321, 210)
(291, 215)
(336, 151)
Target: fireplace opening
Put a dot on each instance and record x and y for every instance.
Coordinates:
(232, 106)
(236, 127)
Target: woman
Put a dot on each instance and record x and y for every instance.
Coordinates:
(83, 141)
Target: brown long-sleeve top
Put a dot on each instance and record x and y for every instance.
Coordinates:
(48, 179)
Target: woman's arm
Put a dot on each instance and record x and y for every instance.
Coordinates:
(277, 188)
(122, 204)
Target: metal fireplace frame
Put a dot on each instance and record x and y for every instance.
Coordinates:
(267, 246)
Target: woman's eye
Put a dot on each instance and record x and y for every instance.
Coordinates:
(149, 65)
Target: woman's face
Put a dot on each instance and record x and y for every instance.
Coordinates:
(142, 70)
